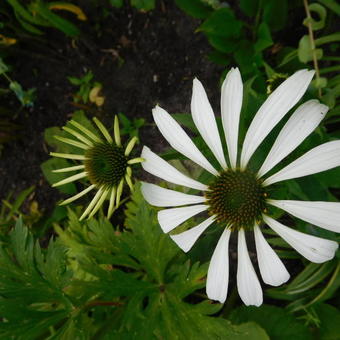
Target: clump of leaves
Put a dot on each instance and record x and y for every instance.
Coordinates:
(97, 281)
(26, 97)
(130, 127)
(36, 14)
(89, 90)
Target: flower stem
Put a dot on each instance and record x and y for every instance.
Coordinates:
(312, 44)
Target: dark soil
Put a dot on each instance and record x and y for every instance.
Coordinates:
(161, 55)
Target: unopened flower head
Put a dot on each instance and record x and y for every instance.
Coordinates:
(105, 163)
(238, 197)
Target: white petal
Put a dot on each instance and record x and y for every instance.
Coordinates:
(323, 214)
(231, 104)
(248, 284)
(171, 218)
(272, 269)
(187, 239)
(204, 119)
(161, 197)
(273, 110)
(218, 272)
(323, 157)
(178, 138)
(313, 248)
(300, 125)
(157, 166)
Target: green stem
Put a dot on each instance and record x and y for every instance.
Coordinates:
(312, 44)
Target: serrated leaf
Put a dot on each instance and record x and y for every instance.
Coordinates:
(31, 286)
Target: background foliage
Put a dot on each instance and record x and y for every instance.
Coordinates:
(124, 278)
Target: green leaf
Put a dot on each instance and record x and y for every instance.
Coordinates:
(144, 5)
(305, 50)
(313, 274)
(195, 8)
(244, 57)
(116, 3)
(49, 134)
(222, 23)
(55, 20)
(3, 67)
(222, 44)
(264, 38)
(250, 329)
(54, 164)
(141, 271)
(31, 286)
(321, 12)
(27, 97)
(275, 14)
(277, 322)
(219, 58)
(334, 37)
(185, 119)
(332, 5)
(329, 317)
(319, 83)
(249, 7)
(74, 80)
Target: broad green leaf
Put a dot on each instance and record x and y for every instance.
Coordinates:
(222, 23)
(329, 317)
(305, 52)
(277, 322)
(264, 38)
(222, 44)
(245, 57)
(275, 14)
(195, 8)
(49, 134)
(249, 7)
(219, 58)
(51, 177)
(320, 83)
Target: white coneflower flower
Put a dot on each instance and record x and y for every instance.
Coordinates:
(106, 165)
(238, 197)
